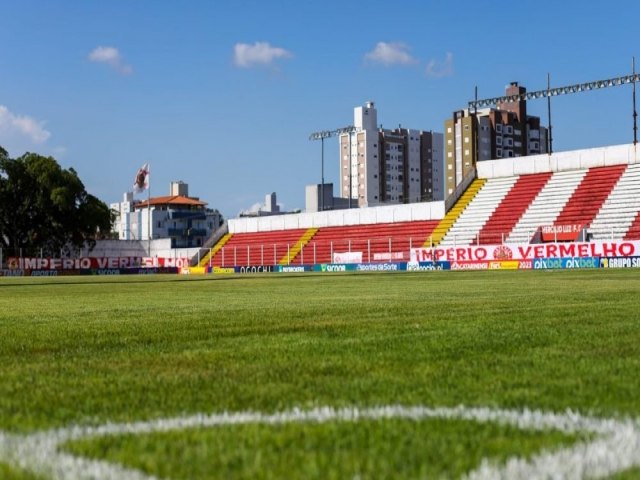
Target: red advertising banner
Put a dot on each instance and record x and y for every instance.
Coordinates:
(475, 253)
(35, 263)
(554, 233)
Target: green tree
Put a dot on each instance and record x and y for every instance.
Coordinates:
(45, 208)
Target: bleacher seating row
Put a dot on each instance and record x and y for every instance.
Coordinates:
(604, 200)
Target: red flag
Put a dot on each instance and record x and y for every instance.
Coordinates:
(141, 182)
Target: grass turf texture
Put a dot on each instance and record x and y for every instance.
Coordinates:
(78, 350)
(366, 449)
(9, 473)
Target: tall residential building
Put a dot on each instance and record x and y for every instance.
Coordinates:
(502, 132)
(380, 166)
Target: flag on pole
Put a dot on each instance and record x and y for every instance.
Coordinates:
(141, 182)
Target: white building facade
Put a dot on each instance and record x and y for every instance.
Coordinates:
(382, 167)
(183, 219)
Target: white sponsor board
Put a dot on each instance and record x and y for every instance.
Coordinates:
(526, 251)
(347, 257)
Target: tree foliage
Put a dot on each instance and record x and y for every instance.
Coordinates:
(45, 208)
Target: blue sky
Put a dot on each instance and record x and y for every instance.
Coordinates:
(224, 95)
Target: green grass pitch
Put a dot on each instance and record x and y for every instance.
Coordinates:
(88, 351)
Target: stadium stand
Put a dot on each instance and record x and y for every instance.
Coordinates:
(452, 215)
(376, 242)
(381, 242)
(259, 248)
(618, 217)
(473, 218)
(512, 209)
(590, 195)
(634, 230)
(546, 206)
(505, 217)
(594, 189)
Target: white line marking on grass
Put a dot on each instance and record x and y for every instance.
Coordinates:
(615, 448)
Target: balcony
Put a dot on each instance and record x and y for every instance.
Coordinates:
(192, 215)
(187, 232)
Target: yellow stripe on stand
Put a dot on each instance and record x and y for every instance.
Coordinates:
(452, 215)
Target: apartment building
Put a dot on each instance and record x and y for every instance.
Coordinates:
(183, 219)
(506, 131)
(389, 166)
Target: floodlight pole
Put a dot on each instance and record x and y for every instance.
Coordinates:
(550, 136)
(149, 215)
(635, 113)
(321, 135)
(322, 175)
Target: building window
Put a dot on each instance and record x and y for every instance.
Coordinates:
(499, 152)
(498, 140)
(499, 127)
(508, 129)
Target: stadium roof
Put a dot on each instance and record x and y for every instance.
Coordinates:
(172, 200)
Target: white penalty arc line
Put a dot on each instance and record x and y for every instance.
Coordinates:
(614, 448)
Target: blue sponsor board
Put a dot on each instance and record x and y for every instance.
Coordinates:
(334, 267)
(620, 262)
(427, 266)
(380, 267)
(294, 268)
(566, 263)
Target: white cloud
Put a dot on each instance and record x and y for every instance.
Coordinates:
(440, 69)
(391, 54)
(23, 127)
(112, 57)
(258, 54)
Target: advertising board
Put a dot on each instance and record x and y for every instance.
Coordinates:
(566, 263)
(475, 253)
(620, 262)
(293, 268)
